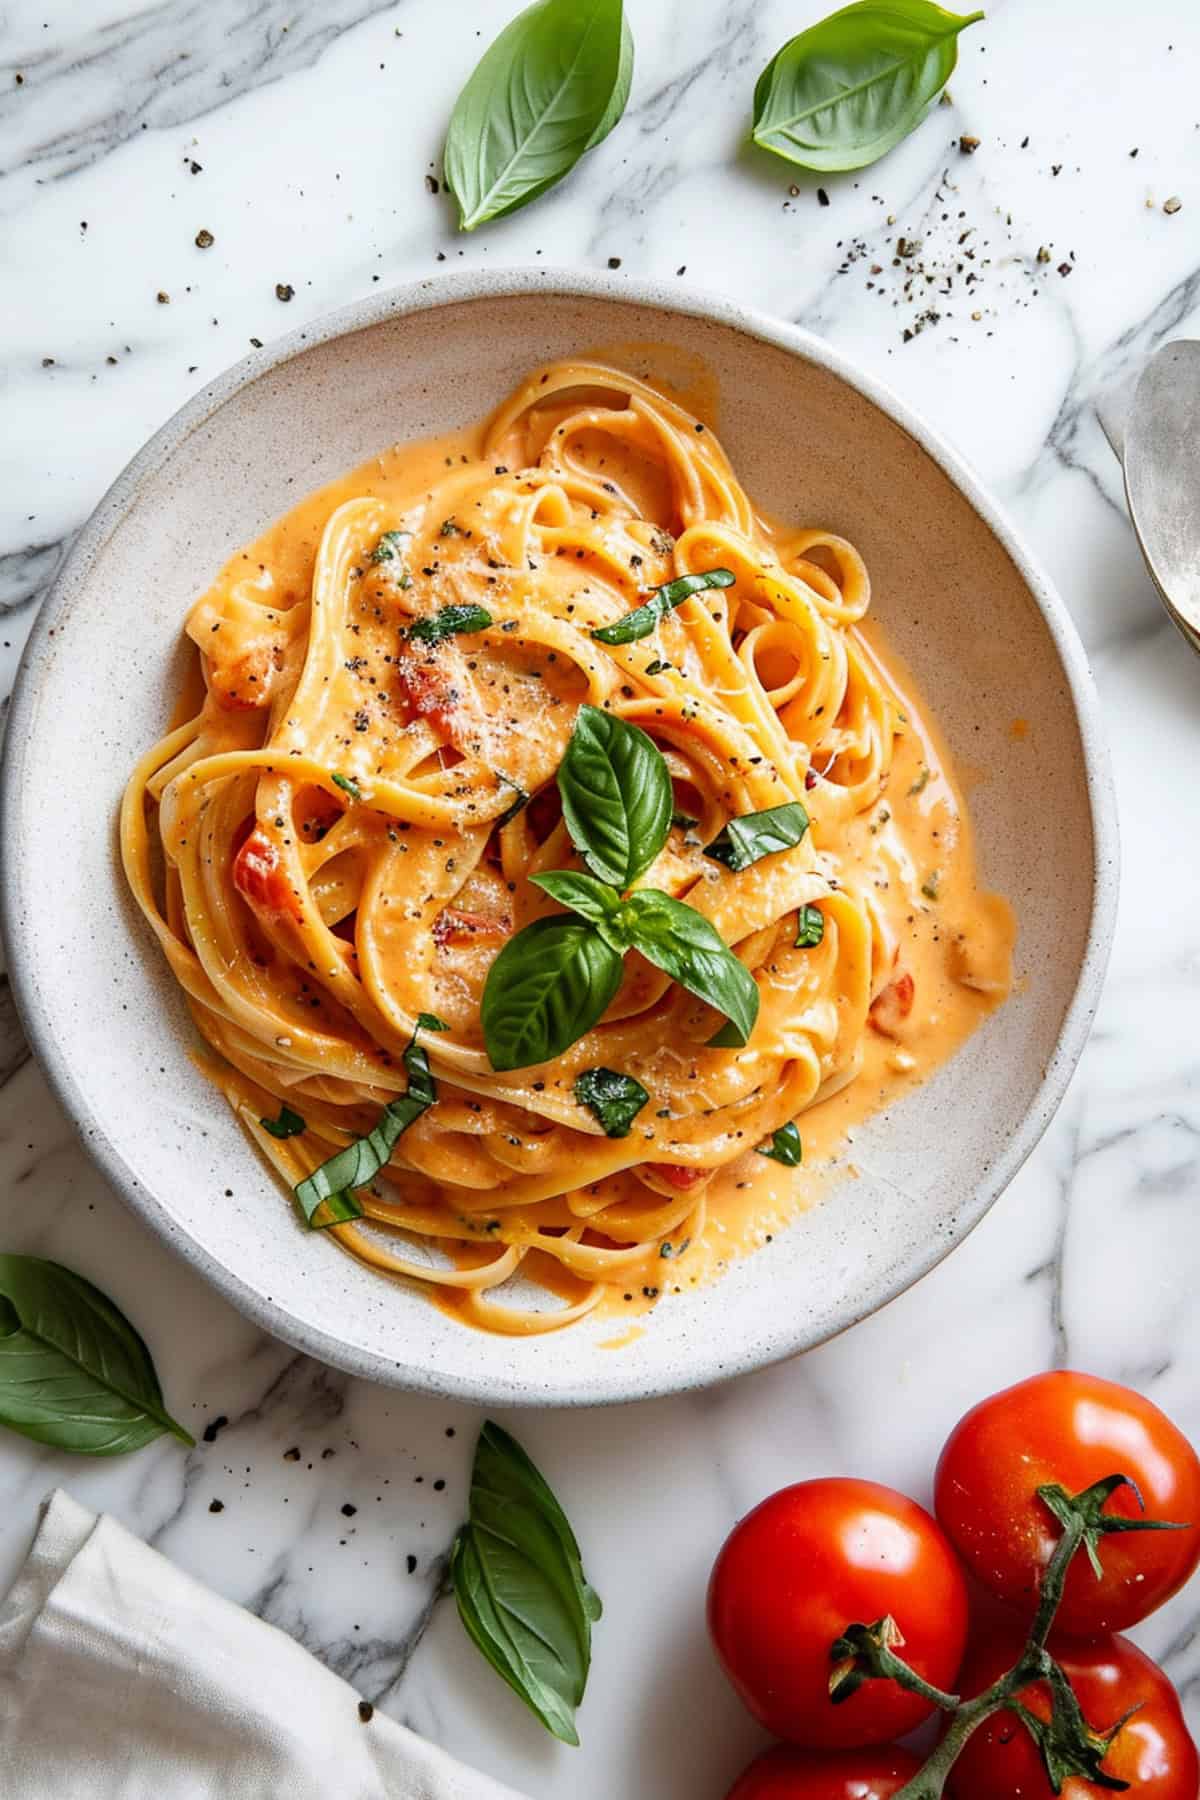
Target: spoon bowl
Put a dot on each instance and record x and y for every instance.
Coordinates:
(1162, 478)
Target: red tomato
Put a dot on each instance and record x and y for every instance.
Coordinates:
(1074, 1430)
(258, 875)
(1152, 1752)
(806, 1563)
(787, 1774)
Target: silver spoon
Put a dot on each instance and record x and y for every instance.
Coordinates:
(1158, 442)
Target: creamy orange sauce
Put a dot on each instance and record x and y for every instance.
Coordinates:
(910, 855)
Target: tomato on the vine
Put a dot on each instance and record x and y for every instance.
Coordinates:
(788, 1774)
(1152, 1752)
(1072, 1430)
(811, 1560)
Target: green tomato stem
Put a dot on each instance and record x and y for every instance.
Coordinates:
(967, 1715)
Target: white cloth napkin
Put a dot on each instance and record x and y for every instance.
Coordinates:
(123, 1679)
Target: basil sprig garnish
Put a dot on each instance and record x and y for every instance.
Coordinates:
(743, 841)
(615, 1099)
(519, 1584)
(616, 796)
(550, 88)
(810, 928)
(554, 981)
(447, 622)
(288, 1124)
(330, 1187)
(785, 1147)
(844, 92)
(642, 620)
(73, 1371)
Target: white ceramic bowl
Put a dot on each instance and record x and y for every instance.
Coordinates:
(962, 601)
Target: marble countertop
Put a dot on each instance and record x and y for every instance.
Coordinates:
(305, 136)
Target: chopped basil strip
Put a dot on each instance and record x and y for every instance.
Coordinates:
(338, 1209)
(785, 1147)
(641, 621)
(450, 528)
(389, 552)
(520, 796)
(431, 1022)
(361, 1161)
(922, 781)
(745, 840)
(931, 885)
(614, 1098)
(657, 667)
(388, 548)
(684, 821)
(348, 786)
(810, 928)
(447, 622)
(288, 1124)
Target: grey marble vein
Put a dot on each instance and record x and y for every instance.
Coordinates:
(26, 573)
(83, 95)
(14, 1051)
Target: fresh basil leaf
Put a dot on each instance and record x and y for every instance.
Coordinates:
(847, 90)
(785, 1147)
(616, 796)
(431, 1022)
(810, 928)
(333, 1182)
(73, 1371)
(593, 900)
(347, 786)
(641, 621)
(288, 1124)
(550, 88)
(519, 1584)
(754, 835)
(616, 1099)
(549, 985)
(690, 949)
(447, 622)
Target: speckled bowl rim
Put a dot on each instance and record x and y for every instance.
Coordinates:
(707, 1368)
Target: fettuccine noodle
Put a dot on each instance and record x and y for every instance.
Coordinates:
(337, 841)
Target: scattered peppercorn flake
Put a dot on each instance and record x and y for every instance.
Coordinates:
(284, 290)
(204, 240)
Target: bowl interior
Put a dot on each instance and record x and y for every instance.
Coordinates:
(98, 687)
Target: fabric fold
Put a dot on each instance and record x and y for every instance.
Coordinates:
(121, 1678)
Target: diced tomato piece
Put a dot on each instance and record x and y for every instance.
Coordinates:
(424, 693)
(259, 878)
(454, 926)
(893, 1004)
(678, 1177)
